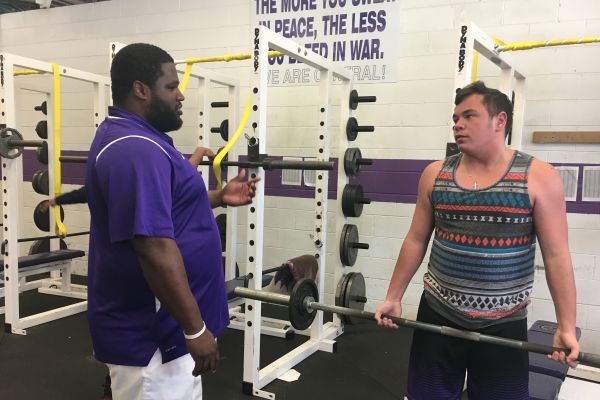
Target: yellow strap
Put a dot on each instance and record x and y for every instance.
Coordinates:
(18, 72)
(221, 155)
(60, 228)
(532, 45)
(186, 77)
(474, 69)
(228, 57)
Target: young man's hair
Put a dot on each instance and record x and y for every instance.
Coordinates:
(136, 62)
(494, 101)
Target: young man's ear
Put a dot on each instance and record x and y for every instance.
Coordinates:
(141, 90)
(501, 121)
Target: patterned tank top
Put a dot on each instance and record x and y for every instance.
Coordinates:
(482, 258)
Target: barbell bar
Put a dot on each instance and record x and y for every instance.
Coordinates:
(304, 298)
(12, 143)
(42, 238)
(267, 163)
(73, 159)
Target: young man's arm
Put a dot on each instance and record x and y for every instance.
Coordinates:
(413, 248)
(550, 222)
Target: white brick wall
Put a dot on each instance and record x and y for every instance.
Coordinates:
(411, 115)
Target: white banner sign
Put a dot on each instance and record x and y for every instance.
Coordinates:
(361, 35)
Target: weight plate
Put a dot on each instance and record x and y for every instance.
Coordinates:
(42, 107)
(341, 289)
(40, 183)
(340, 293)
(224, 130)
(351, 196)
(42, 219)
(354, 296)
(222, 226)
(35, 178)
(349, 237)
(353, 103)
(43, 246)
(300, 317)
(351, 157)
(42, 153)
(352, 129)
(7, 151)
(42, 129)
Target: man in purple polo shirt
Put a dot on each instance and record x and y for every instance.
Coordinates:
(156, 292)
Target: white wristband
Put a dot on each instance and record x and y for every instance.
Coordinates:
(195, 335)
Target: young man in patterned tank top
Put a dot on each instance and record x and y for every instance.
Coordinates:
(485, 207)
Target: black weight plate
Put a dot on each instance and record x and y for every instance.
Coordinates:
(40, 183)
(224, 130)
(355, 296)
(349, 237)
(7, 151)
(42, 153)
(42, 107)
(35, 179)
(351, 207)
(42, 129)
(340, 293)
(341, 289)
(351, 157)
(222, 226)
(43, 246)
(352, 129)
(42, 219)
(300, 317)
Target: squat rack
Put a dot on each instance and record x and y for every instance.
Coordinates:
(57, 261)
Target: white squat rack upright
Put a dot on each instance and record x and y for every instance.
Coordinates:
(321, 335)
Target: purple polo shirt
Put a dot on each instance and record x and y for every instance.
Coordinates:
(138, 184)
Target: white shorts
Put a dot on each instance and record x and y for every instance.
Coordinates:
(156, 381)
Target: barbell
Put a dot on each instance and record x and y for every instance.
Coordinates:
(12, 143)
(303, 303)
(267, 163)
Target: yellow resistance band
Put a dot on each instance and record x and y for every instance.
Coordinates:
(221, 155)
(60, 228)
(227, 57)
(18, 72)
(532, 45)
(474, 69)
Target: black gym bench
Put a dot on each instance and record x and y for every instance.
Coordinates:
(34, 264)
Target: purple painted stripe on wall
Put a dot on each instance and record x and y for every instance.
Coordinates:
(388, 181)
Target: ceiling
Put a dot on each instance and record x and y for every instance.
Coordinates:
(7, 6)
